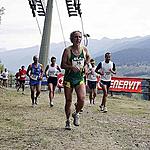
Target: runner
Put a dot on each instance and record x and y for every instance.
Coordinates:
(17, 78)
(51, 72)
(22, 78)
(5, 75)
(92, 81)
(105, 68)
(35, 73)
(74, 59)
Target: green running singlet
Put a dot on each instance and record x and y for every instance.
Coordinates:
(72, 79)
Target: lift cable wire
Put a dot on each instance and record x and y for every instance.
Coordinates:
(37, 7)
(85, 35)
(77, 5)
(73, 7)
(60, 23)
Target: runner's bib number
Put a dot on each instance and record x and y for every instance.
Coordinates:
(93, 76)
(79, 63)
(34, 77)
(23, 76)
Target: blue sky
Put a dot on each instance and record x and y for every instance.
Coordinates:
(101, 18)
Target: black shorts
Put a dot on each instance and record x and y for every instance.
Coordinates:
(22, 81)
(107, 83)
(52, 80)
(92, 84)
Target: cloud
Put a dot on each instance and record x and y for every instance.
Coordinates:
(101, 18)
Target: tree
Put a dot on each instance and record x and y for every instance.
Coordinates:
(1, 66)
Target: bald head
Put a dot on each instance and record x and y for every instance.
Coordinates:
(35, 58)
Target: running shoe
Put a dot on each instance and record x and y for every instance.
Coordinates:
(51, 104)
(76, 119)
(101, 107)
(81, 110)
(68, 127)
(23, 93)
(105, 109)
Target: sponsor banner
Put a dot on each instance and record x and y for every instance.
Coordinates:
(121, 84)
(118, 84)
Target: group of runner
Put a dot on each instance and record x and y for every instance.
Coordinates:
(77, 63)
(35, 72)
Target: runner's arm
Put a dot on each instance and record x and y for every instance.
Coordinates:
(87, 56)
(64, 60)
(42, 71)
(113, 70)
(58, 68)
(28, 71)
(97, 70)
(47, 67)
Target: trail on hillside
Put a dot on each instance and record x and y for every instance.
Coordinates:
(126, 125)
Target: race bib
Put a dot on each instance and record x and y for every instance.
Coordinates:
(34, 77)
(79, 63)
(23, 76)
(93, 77)
(52, 74)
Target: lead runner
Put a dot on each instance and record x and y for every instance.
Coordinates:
(74, 61)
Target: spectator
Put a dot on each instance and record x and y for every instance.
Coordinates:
(5, 76)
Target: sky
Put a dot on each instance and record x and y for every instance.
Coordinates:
(101, 18)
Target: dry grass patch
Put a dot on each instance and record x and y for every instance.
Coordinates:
(125, 126)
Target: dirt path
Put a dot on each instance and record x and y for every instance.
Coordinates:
(126, 126)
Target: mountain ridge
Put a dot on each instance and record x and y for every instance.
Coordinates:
(121, 50)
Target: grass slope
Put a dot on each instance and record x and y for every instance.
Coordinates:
(126, 125)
